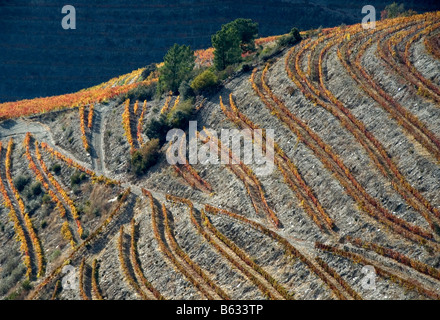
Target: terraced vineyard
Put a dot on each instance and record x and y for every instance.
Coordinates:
(356, 181)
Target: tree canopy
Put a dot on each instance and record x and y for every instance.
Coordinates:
(226, 43)
(231, 40)
(178, 64)
(247, 32)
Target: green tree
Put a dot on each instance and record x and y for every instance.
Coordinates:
(178, 64)
(226, 43)
(247, 32)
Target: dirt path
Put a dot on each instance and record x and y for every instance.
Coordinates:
(95, 141)
(98, 136)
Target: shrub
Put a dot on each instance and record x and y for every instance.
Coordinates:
(13, 296)
(36, 188)
(395, 10)
(55, 255)
(179, 116)
(26, 285)
(293, 37)
(33, 206)
(43, 224)
(268, 52)
(145, 157)
(148, 70)
(56, 168)
(157, 128)
(185, 90)
(20, 182)
(246, 68)
(205, 81)
(85, 234)
(77, 178)
(142, 92)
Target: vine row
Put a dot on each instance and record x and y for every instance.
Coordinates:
(240, 253)
(289, 248)
(409, 284)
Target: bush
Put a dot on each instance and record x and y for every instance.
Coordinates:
(179, 116)
(290, 39)
(33, 206)
(55, 255)
(148, 70)
(157, 128)
(246, 68)
(21, 182)
(224, 74)
(26, 285)
(145, 158)
(85, 234)
(185, 90)
(77, 178)
(36, 188)
(268, 52)
(205, 81)
(142, 92)
(395, 10)
(56, 168)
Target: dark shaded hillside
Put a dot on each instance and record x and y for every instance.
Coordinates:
(39, 58)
